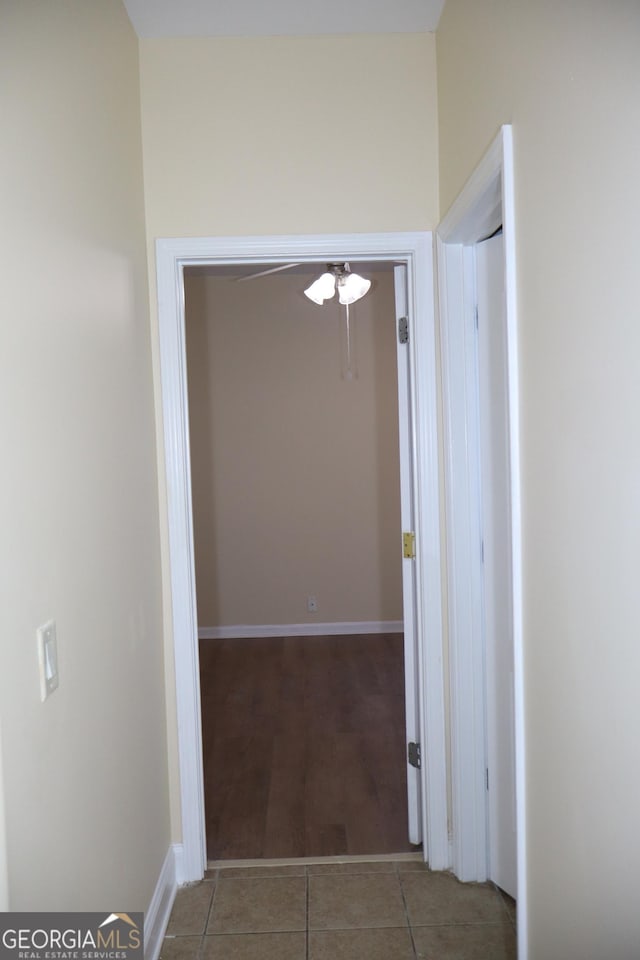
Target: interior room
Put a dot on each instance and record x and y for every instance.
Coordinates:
(295, 479)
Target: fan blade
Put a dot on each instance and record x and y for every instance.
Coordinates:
(265, 273)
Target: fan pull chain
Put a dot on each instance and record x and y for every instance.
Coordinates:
(349, 371)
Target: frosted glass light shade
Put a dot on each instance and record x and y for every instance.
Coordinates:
(352, 288)
(322, 289)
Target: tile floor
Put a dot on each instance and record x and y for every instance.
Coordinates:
(382, 910)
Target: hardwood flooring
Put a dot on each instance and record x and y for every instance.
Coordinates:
(304, 751)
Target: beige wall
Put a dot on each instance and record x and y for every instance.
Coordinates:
(295, 471)
(282, 135)
(85, 774)
(567, 75)
(289, 135)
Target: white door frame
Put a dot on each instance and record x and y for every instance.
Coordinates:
(407, 512)
(415, 250)
(486, 201)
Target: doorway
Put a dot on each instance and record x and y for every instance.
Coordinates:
(415, 251)
(481, 435)
(296, 505)
(497, 578)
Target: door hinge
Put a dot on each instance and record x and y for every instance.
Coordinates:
(413, 755)
(486, 774)
(409, 546)
(482, 551)
(476, 317)
(403, 330)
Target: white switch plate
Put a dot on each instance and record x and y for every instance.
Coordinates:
(47, 659)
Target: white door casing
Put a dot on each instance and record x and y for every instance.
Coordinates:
(486, 201)
(414, 250)
(495, 483)
(411, 654)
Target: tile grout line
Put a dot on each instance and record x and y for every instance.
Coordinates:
(463, 923)
(382, 926)
(406, 913)
(209, 912)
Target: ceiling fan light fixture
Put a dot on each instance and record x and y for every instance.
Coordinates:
(352, 287)
(322, 289)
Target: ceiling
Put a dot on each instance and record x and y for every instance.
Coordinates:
(257, 18)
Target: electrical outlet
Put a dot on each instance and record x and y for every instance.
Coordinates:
(312, 604)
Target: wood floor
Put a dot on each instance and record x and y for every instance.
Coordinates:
(304, 751)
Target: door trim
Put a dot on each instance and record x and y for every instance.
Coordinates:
(486, 201)
(415, 250)
(411, 693)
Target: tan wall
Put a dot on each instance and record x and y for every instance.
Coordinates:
(289, 134)
(85, 774)
(567, 75)
(282, 135)
(295, 470)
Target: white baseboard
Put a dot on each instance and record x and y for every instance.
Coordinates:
(244, 630)
(157, 916)
(178, 849)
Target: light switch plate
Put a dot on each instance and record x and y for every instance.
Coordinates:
(47, 659)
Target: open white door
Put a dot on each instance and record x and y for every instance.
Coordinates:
(497, 577)
(412, 707)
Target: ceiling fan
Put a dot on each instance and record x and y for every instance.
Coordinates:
(337, 277)
(265, 273)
